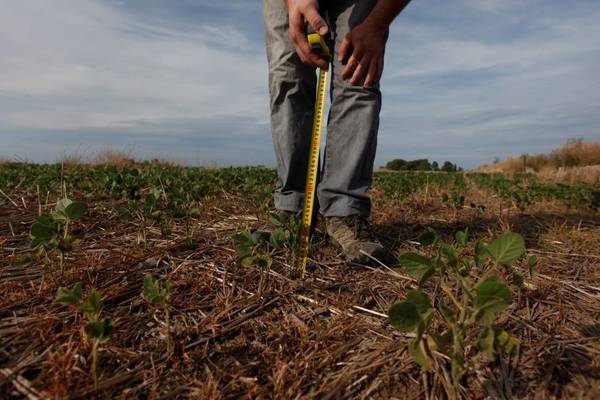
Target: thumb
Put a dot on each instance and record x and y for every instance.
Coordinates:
(316, 21)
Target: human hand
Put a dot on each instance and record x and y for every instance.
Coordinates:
(363, 48)
(301, 13)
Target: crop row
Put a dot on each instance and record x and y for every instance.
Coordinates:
(185, 184)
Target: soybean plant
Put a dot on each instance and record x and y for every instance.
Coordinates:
(458, 323)
(52, 233)
(157, 293)
(96, 328)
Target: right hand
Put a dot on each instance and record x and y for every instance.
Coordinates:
(301, 13)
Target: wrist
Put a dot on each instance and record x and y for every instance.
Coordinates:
(376, 26)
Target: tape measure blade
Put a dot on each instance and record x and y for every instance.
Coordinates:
(301, 258)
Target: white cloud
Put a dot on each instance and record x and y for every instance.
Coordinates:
(532, 89)
(84, 64)
(497, 5)
(464, 80)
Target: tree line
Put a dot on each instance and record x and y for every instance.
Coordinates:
(422, 164)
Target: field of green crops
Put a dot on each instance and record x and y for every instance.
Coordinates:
(153, 281)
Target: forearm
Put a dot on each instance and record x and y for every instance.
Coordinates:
(385, 11)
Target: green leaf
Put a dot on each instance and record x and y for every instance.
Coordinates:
(517, 279)
(244, 244)
(151, 290)
(124, 212)
(151, 202)
(531, 263)
(262, 261)
(69, 296)
(416, 349)
(440, 343)
(99, 329)
(479, 255)
(507, 342)
(60, 210)
(278, 219)
(428, 237)
(92, 304)
(486, 342)
(450, 253)
(24, 260)
(44, 228)
(457, 365)
(418, 266)
(493, 296)
(462, 237)
(446, 312)
(502, 337)
(247, 262)
(420, 300)
(167, 288)
(155, 292)
(75, 210)
(512, 344)
(243, 239)
(507, 248)
(404, 316)
(277, 238)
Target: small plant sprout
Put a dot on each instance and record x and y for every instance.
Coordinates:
(52, 233)
(458, 321)
(157, 293)
(253, 249)
(146, 212)
(96, 329)
(188, 211)
(455, 200)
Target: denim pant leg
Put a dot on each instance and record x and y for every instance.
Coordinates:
(352, 127)
(292, 88)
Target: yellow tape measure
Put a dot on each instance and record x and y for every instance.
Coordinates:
(318, 45)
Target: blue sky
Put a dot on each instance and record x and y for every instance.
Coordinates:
(465, 80)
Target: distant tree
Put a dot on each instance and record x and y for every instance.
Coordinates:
(448, 167)
(397, 165)
(418, 165)
(435, 166)
(496, 160)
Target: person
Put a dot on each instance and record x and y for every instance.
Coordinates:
(359, 31)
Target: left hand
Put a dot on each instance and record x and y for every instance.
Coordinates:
(364, 48)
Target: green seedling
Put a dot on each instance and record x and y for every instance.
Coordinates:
(148, 213)
(52, 233)
(455, 200)
(188, 211)
(249, 250)
(459, 321)
(96, 329)
(255, 249)
(286, 233)
(157, 293)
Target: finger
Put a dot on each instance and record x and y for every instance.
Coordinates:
(359, 71)
(316, 21)
(349, 69)
(344, 47)
(379, 68)
(302, 48)
(371, 74)
(317, 61)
